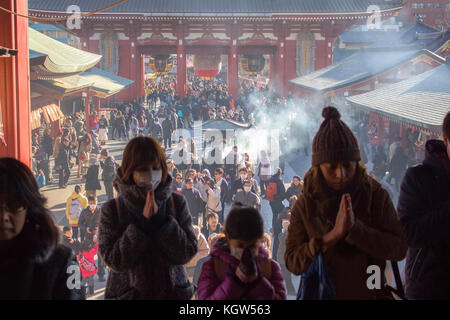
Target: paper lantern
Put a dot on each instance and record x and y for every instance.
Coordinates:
(207, 66)
(253, 64)
(161, 64)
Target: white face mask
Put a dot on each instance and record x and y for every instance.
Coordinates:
(243, 176)
(92, 206)
(156, 178)
(247, 189)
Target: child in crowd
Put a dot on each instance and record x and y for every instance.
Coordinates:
(69, 242)
(89, 249)
(239, 267)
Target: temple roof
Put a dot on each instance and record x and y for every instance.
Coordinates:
(213, 7)
(361, 65)
(422, 100)
(61, 58)
(105, 84)
(223, 124)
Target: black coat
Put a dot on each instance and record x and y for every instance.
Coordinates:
(26, 279)
(89, 219)
(92, 182)
(194, 200)
(424, 210)
(294, 191)
(63, 157)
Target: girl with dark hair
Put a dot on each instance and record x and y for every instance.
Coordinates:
(33, 265)
(146, 234)
(295, 189)
(239, 267)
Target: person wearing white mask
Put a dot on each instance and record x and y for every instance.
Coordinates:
(238, 184)
(246, 198)
(146, 234)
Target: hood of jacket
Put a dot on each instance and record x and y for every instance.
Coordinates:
(134, 196)
(221, 250)
(436, 156)
(75, 195)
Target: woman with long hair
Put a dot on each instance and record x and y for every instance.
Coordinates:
(146, 234)
(32, 264)
(344, 215)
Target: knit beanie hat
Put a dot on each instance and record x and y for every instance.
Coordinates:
(334, 142)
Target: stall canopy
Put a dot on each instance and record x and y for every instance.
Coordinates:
(360, 66)
(50, 113)
(223, 124)
(105, 84)
(61, 58)
(423, 100)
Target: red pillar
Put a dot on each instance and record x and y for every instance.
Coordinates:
(280, 60)
(233, 70)
(134, 66)
(99, 105)
(87, 110)
(181, 69)
(15, 83)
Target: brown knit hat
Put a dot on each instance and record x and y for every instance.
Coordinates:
(334, 142)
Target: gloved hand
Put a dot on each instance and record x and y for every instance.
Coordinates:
(247, 271)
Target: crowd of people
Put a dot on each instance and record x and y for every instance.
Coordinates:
(166, 233)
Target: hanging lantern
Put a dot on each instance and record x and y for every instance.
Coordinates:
(161, 64)
(207, 66)
(253, 64)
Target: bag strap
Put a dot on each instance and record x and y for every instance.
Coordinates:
(398, 281)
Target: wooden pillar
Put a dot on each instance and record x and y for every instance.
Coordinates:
(15, 83)
(181, 63)
(135, 62)
(99, 105)
(280, 82)
(87, 110)
(233, 70)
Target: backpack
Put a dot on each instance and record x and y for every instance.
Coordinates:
(271, 190)
(86, 265)
(109, 169)
(75, 209)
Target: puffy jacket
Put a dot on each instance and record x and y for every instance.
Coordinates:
(424, 210)
(84, 203)
(146, 257)
(211, 288)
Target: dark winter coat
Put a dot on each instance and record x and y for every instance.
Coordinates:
(294, 191)
(25, 278)
(92, 182)
(146, 257)
(109, 167)
(167, 127)
(89, 219)
(211, 288)
(375, 237)
(63, 157)
(424, 210)
(281, 190)
(194, 200)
